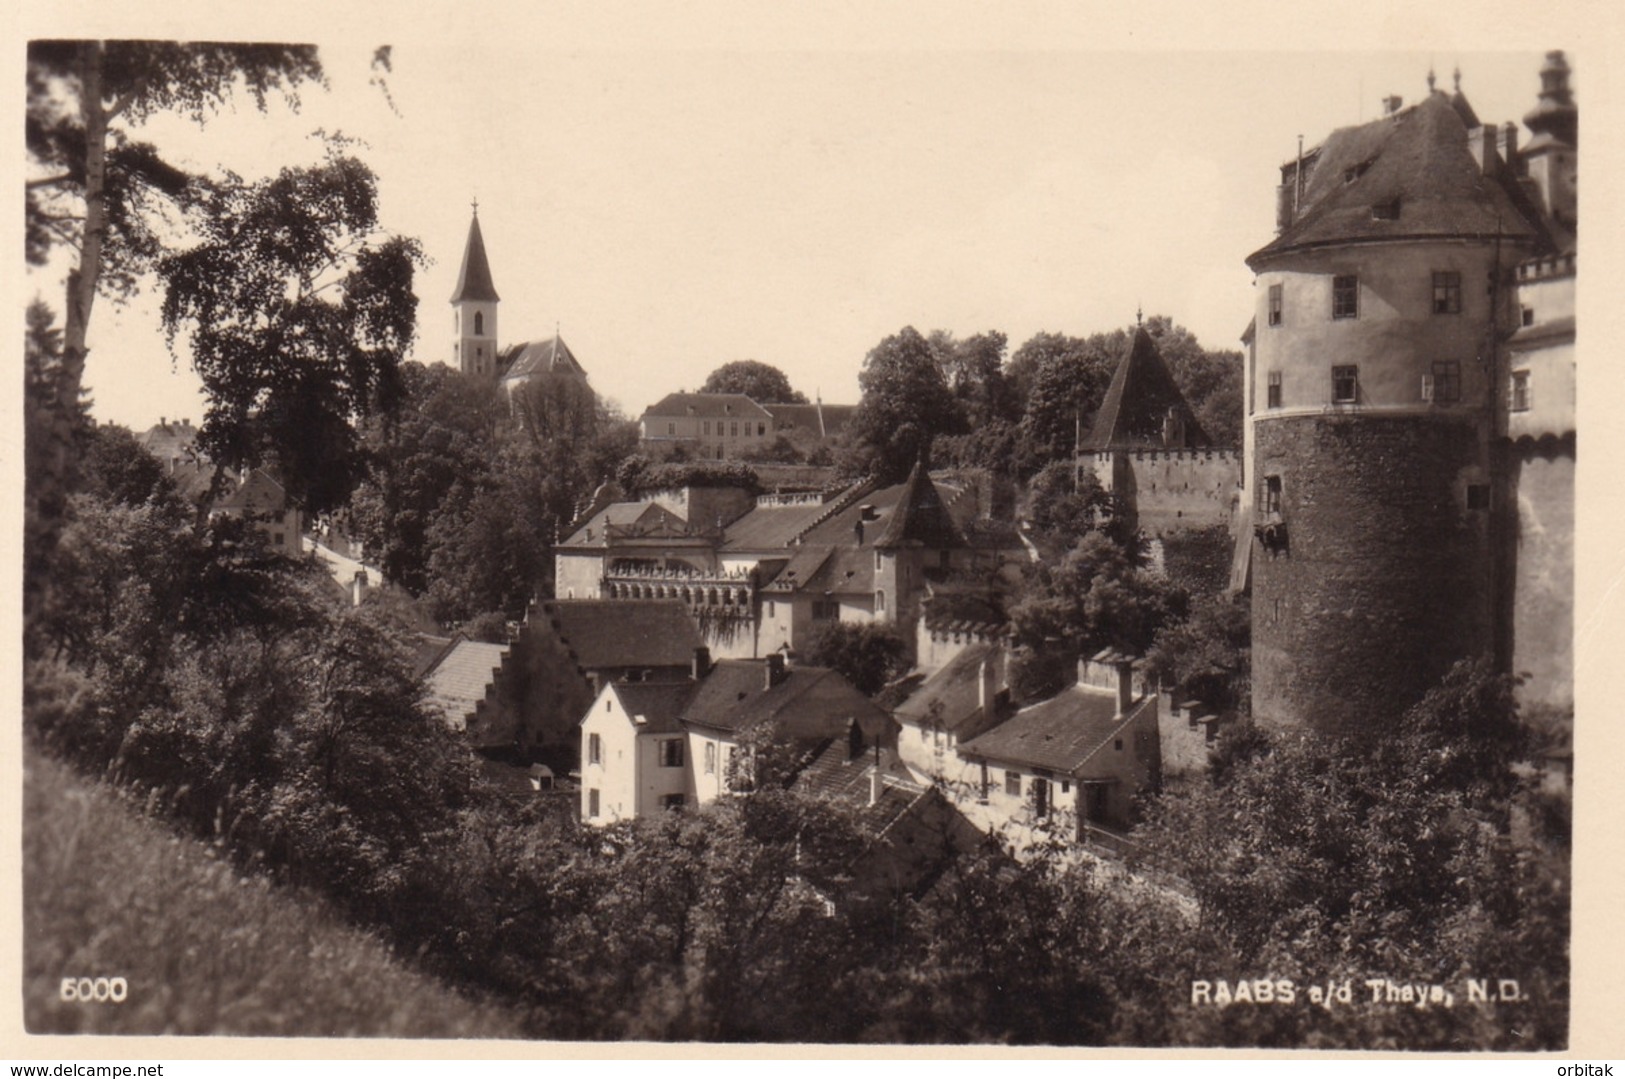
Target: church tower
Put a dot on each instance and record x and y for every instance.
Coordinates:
(475, 305)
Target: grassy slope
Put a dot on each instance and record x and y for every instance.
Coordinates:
(107, 892)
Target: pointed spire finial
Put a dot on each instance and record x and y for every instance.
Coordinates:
(1456, 76)
(1139, 315)
(1431, 78)
(476, 204)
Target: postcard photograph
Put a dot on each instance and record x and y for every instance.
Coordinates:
(874, 546)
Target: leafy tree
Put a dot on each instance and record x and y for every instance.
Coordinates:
(1065, 380)
(1208, 655)
(761, 382)
(866, 654)
(1095, 597)
(297, 314)
(95, 187)
(1066, 504)
(905, 404)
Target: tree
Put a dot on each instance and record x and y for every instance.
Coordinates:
(1067, 503)
(867, 655)
(1208, 655)
(905, 404)
(761, 382)
(1095, 597)
(1065, 379)
(297, 313)
(94, 187)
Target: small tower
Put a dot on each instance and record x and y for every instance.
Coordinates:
(475, 305)
(1552, 155)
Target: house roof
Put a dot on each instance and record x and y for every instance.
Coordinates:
(628, 519)
(604, 633)
(170, 440)
(708, 406)
(530, 358)
(825, 421)
(921, 519)
(767, 528)
(1138, 401)
(956, 688)
(1420, 159)
(833, 774)
(258, 493)
(457, 683)
(800, 570)
(809, 702)
(1058, 735)
(656, 707)
(474, 279)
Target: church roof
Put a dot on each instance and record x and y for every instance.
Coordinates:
(474, 279)
(530, 358)
(1138, 401)
(921, 519)
(1416, 165)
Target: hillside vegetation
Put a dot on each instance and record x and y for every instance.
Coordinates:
(203, 948)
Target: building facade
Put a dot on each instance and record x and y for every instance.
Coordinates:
(1377, 396)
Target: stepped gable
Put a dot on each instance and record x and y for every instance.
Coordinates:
(604, 633)
(920, 519)
(1419, 160)
(1135, 411)
(458, 682)
(531, 358)
(474, 279)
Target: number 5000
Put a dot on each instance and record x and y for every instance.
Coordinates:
(95, 990)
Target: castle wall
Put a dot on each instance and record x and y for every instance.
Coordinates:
(1386, 577)
(1172, 490)
(1542, 485)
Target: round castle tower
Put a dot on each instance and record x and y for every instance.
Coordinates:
(1373, 395)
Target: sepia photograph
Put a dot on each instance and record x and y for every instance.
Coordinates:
(545, 536)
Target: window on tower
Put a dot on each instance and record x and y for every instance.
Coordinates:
(1519, 401)
(1446, 382)
(479, 324)
(1275, 389)
(1446, 292)
(1275, 305)
(1346, 296)
(1345, 384)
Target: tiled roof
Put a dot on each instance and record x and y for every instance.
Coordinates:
(474, 279)
(658, 704)
(1419, 158)
(825, 421)
(530, 358)
(624, 632)
(170, 440)
(1138, 401)
(708, 405)
(427, 649)
(458, 682)
(835, 775)
(956, 687)
(767, 528)
(921, 519)
(810, 702)
(848, 571)
(1057, 735)
(803, 565)
(648, 518)
(258, 493)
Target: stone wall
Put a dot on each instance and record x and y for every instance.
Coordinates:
(1541, 482)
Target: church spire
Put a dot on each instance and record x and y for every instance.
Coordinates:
(474, 280)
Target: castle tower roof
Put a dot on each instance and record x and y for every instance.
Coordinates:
(474, 279)
(1407, 176)
(1140, 402)
(1555, 115)
(920, 520)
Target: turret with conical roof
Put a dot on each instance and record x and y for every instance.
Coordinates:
(475, 303)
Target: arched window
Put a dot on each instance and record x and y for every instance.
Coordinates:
(479, 324)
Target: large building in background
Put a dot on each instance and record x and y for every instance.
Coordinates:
(1412, 506)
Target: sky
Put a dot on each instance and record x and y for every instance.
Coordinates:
(673, 209)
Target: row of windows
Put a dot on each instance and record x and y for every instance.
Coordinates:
(1441, 386)
(1346, 296)
(733, 429)
(1269, 503)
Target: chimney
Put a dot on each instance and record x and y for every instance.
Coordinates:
(986, 689)
(1125, 686)
(702, 663)
(877, 785)
(773, 672)
(1508, 144)
(1481, 144)
(857, 530)
(358, 588)
(1392, 104)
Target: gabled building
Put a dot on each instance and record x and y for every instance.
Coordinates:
(461, 683)
(711, 426)
(968, 695)
(1077, 759)
(476, 348)
(660, 745)
(254, 496)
